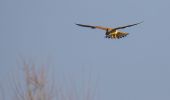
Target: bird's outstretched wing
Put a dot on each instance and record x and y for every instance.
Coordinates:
(122, 27)
(93, 27)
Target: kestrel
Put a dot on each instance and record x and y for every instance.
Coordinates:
(112, 33)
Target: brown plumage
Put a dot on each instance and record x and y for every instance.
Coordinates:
(112, 33)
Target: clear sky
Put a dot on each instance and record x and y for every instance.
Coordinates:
(133, 68)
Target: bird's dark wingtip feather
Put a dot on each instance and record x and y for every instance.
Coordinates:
(140, 22)
(93, 27)
(80, 25)
(77, 24)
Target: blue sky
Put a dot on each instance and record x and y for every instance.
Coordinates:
(132, 68)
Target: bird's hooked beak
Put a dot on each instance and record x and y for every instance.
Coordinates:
(107, 32)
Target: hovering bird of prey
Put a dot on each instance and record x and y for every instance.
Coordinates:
(112, 33)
